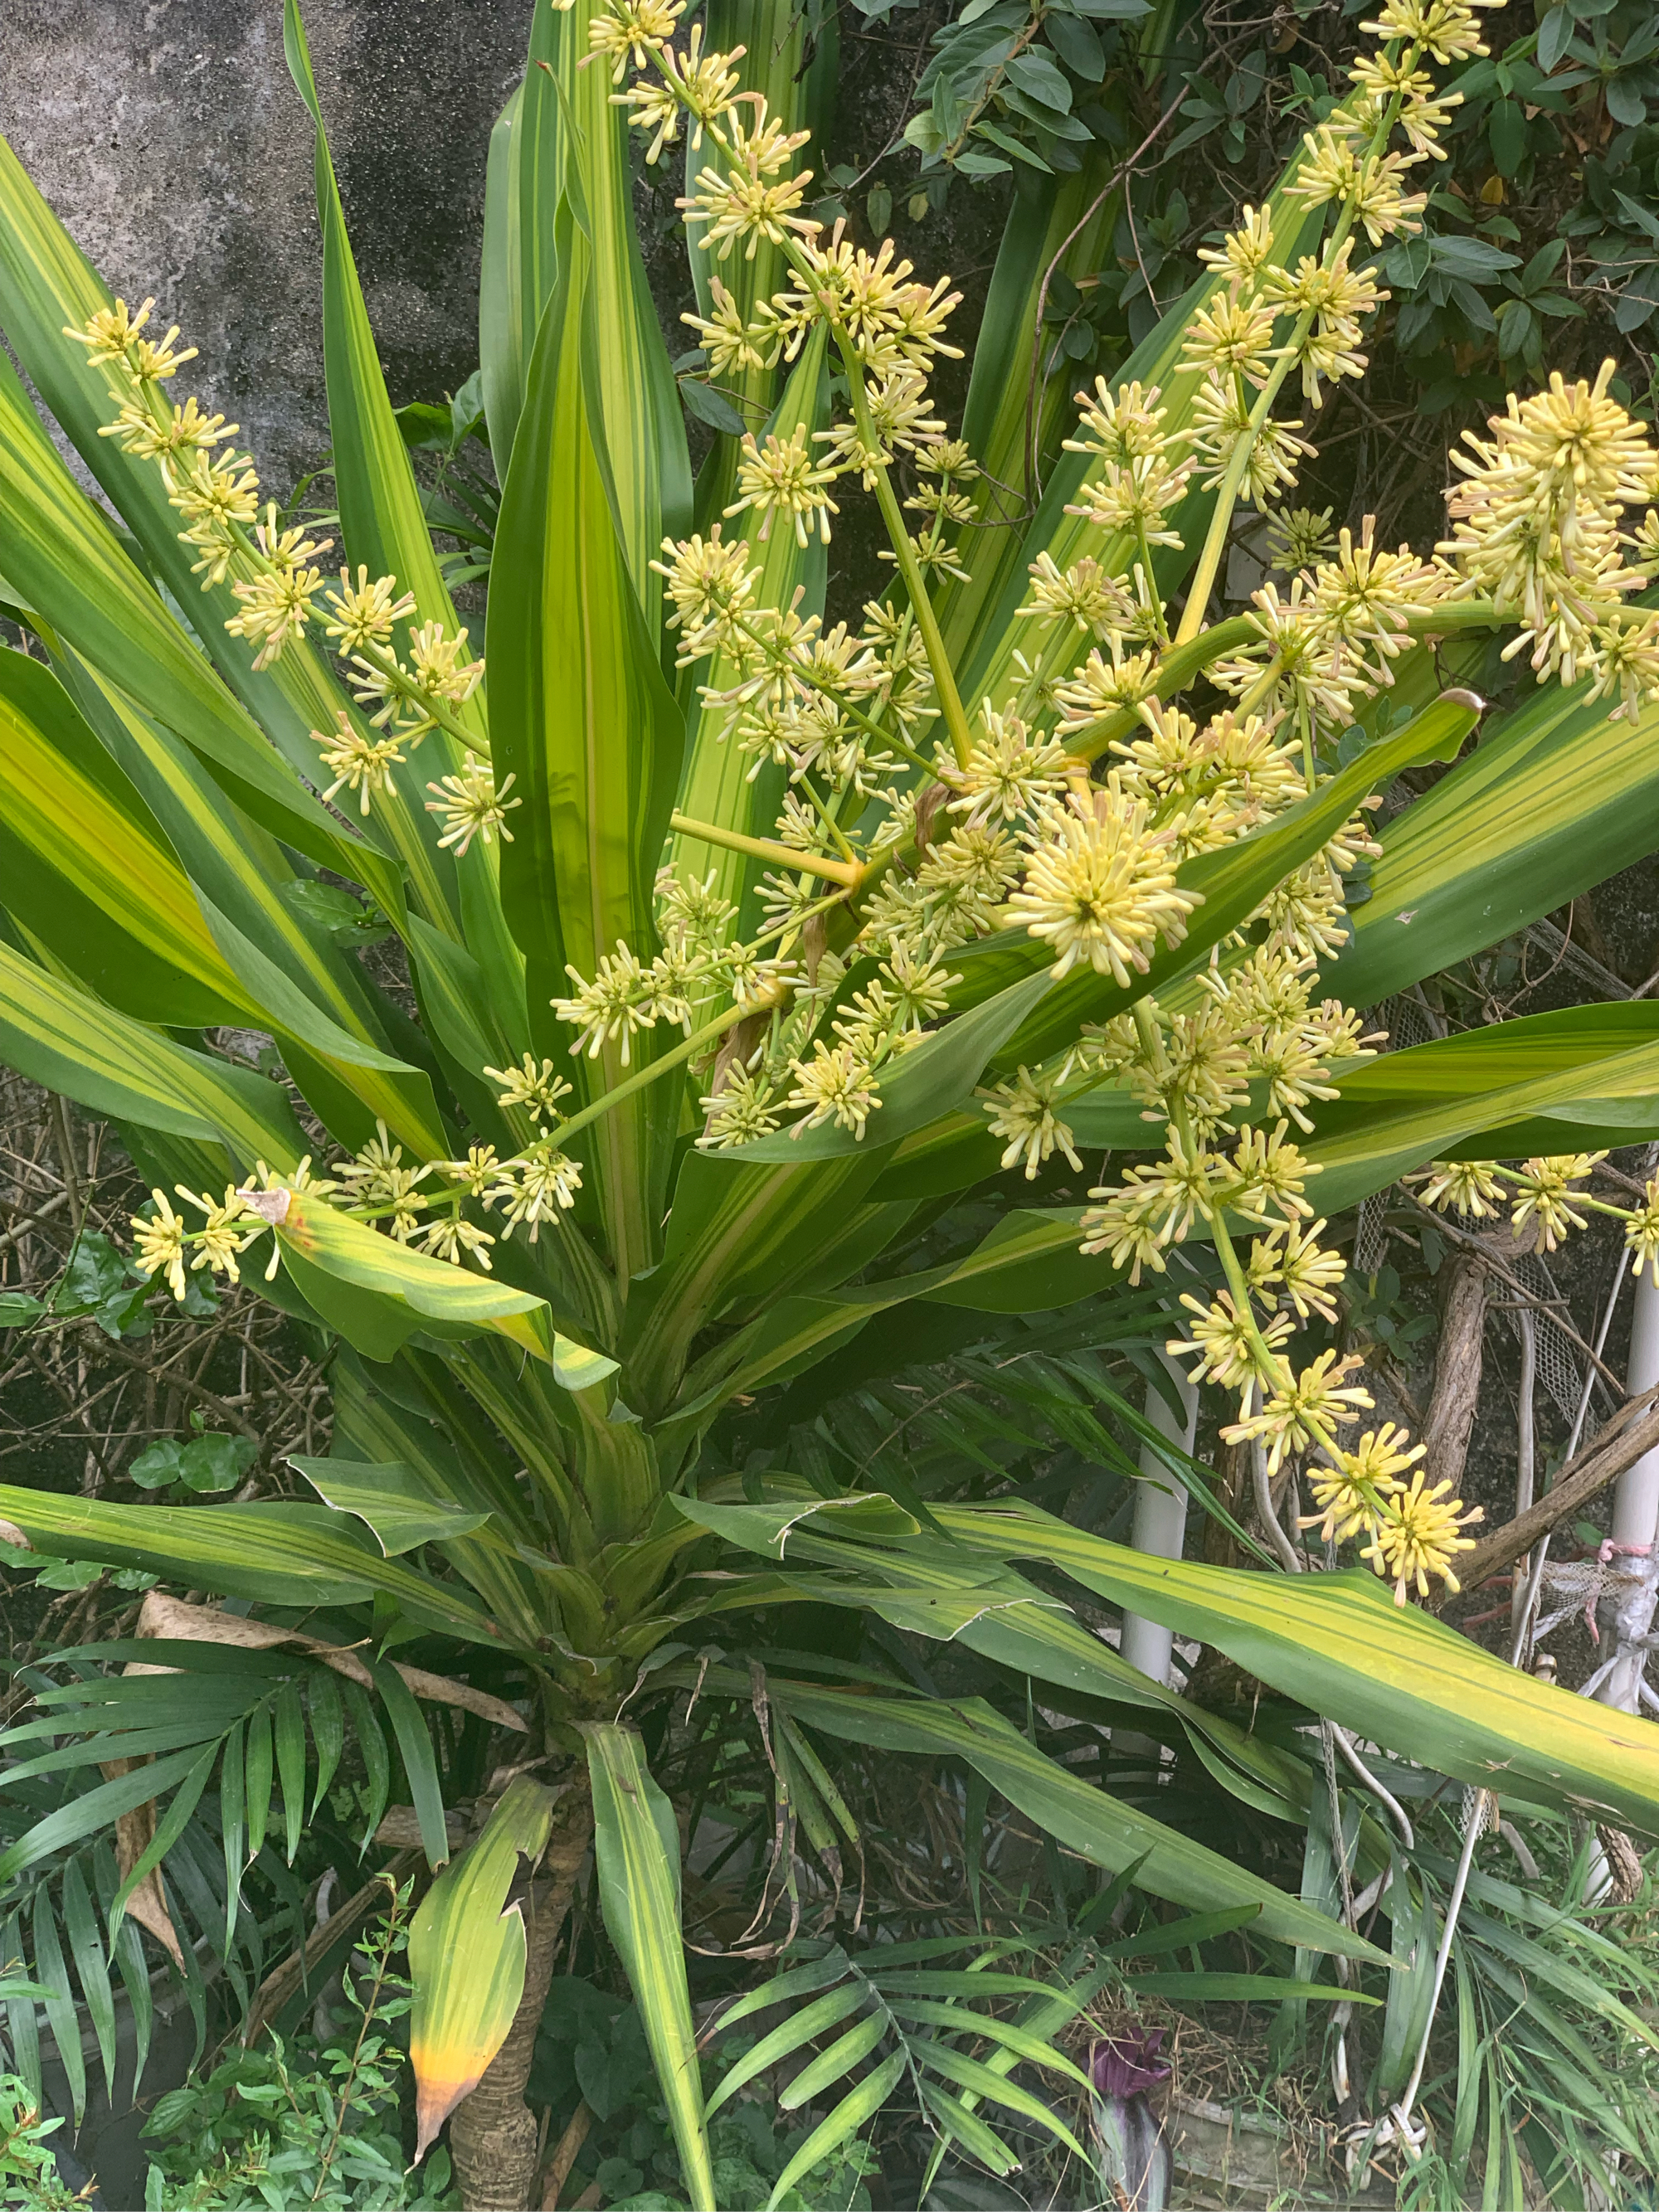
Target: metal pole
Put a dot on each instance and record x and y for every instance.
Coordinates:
(1636, 1499)
(1160, 1518)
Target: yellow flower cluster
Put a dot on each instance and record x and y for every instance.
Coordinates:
(1542, 1197)
(269, 566)
(1064, 802)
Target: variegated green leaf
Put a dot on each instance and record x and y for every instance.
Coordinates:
(46, 289)
(583, 719)
(76, 576)
(637, 1849)
(916, 1584)
(385, 531)
(987, 663)
(1016, 412)
(393, 1502)
(91, 875)
(1391, 1673)
(720, 784)
(560, 137)
(1583, 1077)
(275, 1554)
(1556, 798)
(380, 510)
(737, 1236)
(462, 1466)
(516, 278)
(1103, 1829)
(379, 1293)
(57, 1035)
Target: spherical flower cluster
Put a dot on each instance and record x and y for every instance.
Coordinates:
(1537, 526)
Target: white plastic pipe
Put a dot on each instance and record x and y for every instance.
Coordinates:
(1160, 1518)
(1636, 1499)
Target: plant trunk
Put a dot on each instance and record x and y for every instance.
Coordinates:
(493, 2134)
(1456, 1368)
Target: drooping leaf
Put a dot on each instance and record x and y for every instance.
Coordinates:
(1391, 1673)
(391, 1500)
(372, 1287)
(280, 1554)
(1105, 1831)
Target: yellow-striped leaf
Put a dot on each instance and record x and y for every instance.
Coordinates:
(1554, 799)
(1015, 415)
(521, 204)
(386, 530)
(582, 718)
(59, 1036)
(737, 1238)
(63, 557)
(637, 1849)
(275, 1554)
(559, 136)
(90, 873)
(379, 500)
(934, 1590)
(1585, 1074)
(82, 583)
(459, 1467)
(1103, 1829)
(718, 785)
(1337, 1643)
(246, 882)
(988, 665)
(87, 871)
(375, 1290)
(466, 1956)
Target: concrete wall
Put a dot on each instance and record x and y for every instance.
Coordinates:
(168, 138)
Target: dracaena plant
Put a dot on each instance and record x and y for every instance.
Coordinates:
(717, 996)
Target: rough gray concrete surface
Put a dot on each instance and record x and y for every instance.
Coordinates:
(168, 135)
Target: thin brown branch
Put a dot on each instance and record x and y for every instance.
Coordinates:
(1632, 1433)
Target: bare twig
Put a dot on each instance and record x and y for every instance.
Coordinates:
(1633, 1431)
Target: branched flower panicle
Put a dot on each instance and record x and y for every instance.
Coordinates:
(1065, 800)
(268, 564)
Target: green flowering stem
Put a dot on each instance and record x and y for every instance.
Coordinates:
(385, 661)
(1184, 661)
(1151, 574)
(1215, 542)
(844, 705)
(938, 660)
(848, 873)
(642, 1077)
(821, 808)
(1226, 498)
